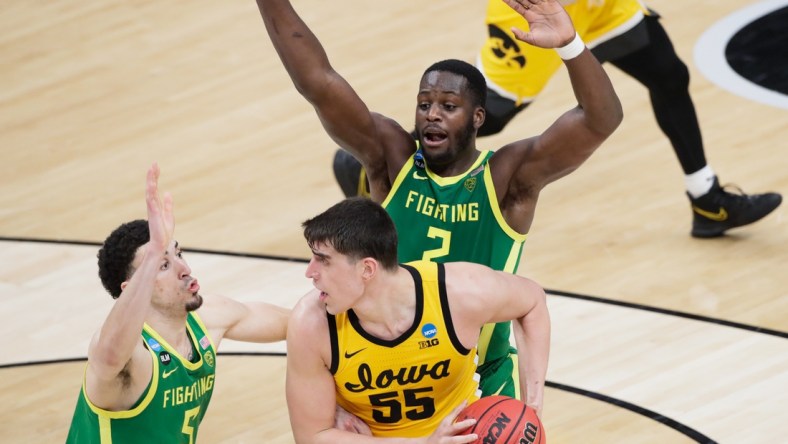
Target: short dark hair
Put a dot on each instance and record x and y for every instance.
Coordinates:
(117, 254)
(356, 227)
(475, 80)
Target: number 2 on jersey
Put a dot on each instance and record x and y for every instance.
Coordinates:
(443, 250)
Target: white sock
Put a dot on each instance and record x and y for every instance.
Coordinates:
(699, 182)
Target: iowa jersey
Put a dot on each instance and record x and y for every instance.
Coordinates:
(172, 406)
(519, 71)
(451, 219)
(404, 387)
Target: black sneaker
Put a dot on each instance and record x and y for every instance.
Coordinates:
(350, 175)
(720, 210)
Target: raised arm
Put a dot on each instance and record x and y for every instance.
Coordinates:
(524, 167)
(342, 112)
(479, 295)
(117, 361)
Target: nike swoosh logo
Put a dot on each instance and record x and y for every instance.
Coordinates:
(166, 374)
(418, 176)
(718, 216)
(498, 392)
(350, 355)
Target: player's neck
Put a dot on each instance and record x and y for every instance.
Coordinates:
(171, 329)
(458, 166)
(388, 307)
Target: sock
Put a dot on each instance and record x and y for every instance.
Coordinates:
(699, 182)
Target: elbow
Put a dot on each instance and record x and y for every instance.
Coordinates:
(611, 118)
(616, 115)
(605, 123)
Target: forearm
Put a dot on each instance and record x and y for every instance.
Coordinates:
(595, 94)
(121, 330)
(259, 322)
(532, 334)
(299, 49)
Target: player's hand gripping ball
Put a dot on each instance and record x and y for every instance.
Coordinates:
(504, 420)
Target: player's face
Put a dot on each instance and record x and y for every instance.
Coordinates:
(336, 276)
(445, 117)
(175, 288)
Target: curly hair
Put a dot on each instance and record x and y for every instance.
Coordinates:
(117, 253)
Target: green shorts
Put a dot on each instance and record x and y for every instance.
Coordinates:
(501, 376)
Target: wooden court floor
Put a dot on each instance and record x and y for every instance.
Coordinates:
(657, 337)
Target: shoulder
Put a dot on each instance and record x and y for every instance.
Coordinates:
(510, 157)
(308, 316)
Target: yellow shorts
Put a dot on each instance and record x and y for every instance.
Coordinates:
(518, 71)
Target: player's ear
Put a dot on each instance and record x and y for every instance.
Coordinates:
(479, 115)
(369, 268)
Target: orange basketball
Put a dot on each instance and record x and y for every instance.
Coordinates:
(504, 420)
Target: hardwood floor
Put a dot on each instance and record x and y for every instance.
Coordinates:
(93, 92)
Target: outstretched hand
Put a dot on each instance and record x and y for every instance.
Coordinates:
(550, 25)
(160, 220)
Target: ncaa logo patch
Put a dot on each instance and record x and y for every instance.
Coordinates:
(429, 330)
(154, 344)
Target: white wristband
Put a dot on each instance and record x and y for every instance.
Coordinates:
(572, 49)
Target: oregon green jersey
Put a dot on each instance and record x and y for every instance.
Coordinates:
(172, 406)
(450, 219)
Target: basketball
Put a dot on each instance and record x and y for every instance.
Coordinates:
(503, 420)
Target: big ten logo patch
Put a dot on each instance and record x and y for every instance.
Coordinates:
(429, 331)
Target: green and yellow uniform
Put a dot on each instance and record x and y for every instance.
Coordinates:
(404, 387)
(450, 219)
(172, 406)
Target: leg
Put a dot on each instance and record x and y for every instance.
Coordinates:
(658, 68)
(500, 111)
(715, 210)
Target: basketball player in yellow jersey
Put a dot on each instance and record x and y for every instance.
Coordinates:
(630, 37)
(395, 344)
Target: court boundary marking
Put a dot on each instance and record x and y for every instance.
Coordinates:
(685, 430)
(650, 414)
(710, 59)
(601, 300)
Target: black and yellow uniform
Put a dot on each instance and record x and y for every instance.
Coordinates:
(450, 219)
(404, 387)
(518, 71)
(172, 406)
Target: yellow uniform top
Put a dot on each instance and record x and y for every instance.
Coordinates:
(519, 71)
(405, 386)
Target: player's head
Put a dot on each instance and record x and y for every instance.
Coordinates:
(449, 109)
(117, 254)
(475, 85)
(357, 228)
(175, 290)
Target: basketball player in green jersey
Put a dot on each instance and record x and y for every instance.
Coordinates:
(630, 36)
(395, 344)
(151, 366)
(449, 200)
